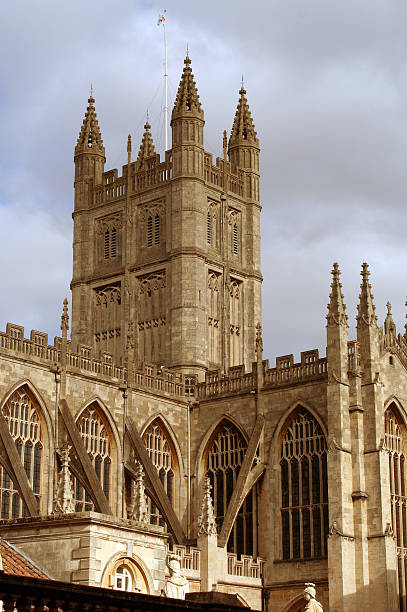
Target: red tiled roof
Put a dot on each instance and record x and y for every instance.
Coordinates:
(15, 562)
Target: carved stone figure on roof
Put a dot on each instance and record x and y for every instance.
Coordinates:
(309, 594)
(176, 586)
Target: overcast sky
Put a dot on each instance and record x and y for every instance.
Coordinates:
(327, 87)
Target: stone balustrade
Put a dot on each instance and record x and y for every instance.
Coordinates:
(19, 593)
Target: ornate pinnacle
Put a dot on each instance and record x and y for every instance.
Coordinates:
(389, 325)
(90, 137)
(187, 96)
(147, 146)
(206, 521)
(243, 126)
(64, 501)
(366, 308)
(65, 319)
(336, 307)
(139, 511)
(129, 143)
(259, 341)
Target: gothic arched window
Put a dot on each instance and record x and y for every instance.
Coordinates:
(224, 458)
(395, 437)
(157, 229)
(304, 488)
(23, 419)
(97, 440)
(163, 457)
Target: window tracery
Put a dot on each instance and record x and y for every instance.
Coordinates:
(152, 317)
(304, 488)
(152, 221)
(107, 319)
(108, 232)
(23, 419)
(97, 440)
(235, 224)
(162, 455)
(395, 444)
(236, 314)
(224, 459)
(214, 280)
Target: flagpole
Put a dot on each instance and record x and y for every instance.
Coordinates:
(165, 91)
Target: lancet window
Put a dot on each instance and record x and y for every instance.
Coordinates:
(153, 230)
(23, 419)
(163, 457)
(304, 488)
(108, 230)
(234, 232)
(395, 443)
(224, 459)
(212, 227)
(97, 440)
(214, 280)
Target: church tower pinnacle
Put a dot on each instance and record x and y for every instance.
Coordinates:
(244, 146)
(187, 123)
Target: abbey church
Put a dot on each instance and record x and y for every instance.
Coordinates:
(155, 430)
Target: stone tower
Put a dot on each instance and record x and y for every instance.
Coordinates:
(167, 256)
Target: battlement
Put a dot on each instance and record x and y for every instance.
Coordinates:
(311, 367)
(37, 350)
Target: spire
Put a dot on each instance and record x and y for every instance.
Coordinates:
(187, 100)
(366, 308)
(389, 325)
(147, 146)
(65, 319)
(336, 307)
(243, 131)
(139, 511)
(206, 521)
(90, 138)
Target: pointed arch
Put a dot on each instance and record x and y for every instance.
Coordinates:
(296, 604)
(398, 406)
(222, 458)
(95, 399)
(171, 433)
(395, 443)
(302, 485)
(98, 436)
(29, 425)
(162, 452)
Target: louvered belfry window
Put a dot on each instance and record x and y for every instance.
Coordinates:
(224, 460)
(395, 443)
(304, 488)
(162, 456)
(97, 441)
(23, 419)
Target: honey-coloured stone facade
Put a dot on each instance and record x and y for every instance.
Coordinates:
(158, 429)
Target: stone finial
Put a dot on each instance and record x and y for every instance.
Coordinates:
(243, 131)
(90, 137)
(187, 96)
(206, 521)
(129, 143)
(389, 325)
(65, 319)
(366, 308)
(147, 146)
(139, 511)
(64, 500)
(336, 307)
(225, 144)
(259, 341)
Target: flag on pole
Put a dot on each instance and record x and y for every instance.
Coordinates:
(161, 18)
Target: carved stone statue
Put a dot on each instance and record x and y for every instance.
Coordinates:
(309, 595)
(176, 585)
